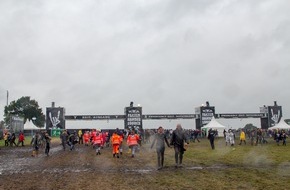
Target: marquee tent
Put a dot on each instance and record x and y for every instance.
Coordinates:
(29, 125)
(213, 124)
(281, 125)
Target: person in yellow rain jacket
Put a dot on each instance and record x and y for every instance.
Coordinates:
(242, 137)
(132, 141)
(116, 141)
(80, 135)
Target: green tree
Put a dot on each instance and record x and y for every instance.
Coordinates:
(25, 108)
(250, 126)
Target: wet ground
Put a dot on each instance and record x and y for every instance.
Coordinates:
(71, 169)
(79, 169)
(83, 169)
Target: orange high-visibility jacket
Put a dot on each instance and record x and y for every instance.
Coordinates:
(133, 139)
(115, 139)
(98, 139)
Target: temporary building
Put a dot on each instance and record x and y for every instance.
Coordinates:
(281, 125)
(213, 124)
(29, 125)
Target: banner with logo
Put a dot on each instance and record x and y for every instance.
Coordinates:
(274, 115)
(55, 118)
(133, 118)
(206, 114)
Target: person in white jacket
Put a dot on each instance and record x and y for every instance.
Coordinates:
(232, 137)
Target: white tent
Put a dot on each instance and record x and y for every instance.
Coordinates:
(281, 125)
(29, 125)
(213, 124)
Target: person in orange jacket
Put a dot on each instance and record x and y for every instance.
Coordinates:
(97, 141)
(86, 138)
(116, 141)
(121, 134)
(132, 141)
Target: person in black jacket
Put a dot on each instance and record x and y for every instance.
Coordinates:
(47, 139)
(178, 139)
(211, 135)
(160, 138)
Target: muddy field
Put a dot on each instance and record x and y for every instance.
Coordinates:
(202, 168)
(79, 169)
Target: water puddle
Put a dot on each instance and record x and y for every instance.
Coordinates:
(140, 171)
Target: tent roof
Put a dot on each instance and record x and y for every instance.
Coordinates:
(281, 125)
(213, 124)
(29, 125)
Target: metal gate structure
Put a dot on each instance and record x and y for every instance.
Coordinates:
(133, 117)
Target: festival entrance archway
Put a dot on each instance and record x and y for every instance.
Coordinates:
(133, 116)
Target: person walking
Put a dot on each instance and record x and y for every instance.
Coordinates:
(178, 140)
(242, 137)
(6, 138)
(116, 141)
(21, 139)
(132, 141)
(211, 137)
(121, 134)
(64, 139)
(232, 137)
(160, 139)
(72, 140)
(284, 137)
(47, 140)
(35, 144)
(227, 137)
(86, 138)
(12, 139)
(195, 135)
(97, 142)
(80, 136)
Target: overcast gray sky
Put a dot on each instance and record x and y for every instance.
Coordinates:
(94, 57)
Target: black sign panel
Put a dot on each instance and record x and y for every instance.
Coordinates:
(240, 115)
(206, 114)
(170, 116)
(95, 117)
(55, 118)
(133, 118)
(274, 115)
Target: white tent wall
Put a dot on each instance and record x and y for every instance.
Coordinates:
(213, 124)
(281, 125)
(220, 131)
(29, 125)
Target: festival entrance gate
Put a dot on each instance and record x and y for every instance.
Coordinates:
(133, 117)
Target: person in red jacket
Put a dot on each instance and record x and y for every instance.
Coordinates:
(86, 138)
(21, 139)
(116, 141)
(104, 138)
(93, 134)
(132, 141)
(97, 141)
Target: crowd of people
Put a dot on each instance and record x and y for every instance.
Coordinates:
(10, 138)
(177, 139)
